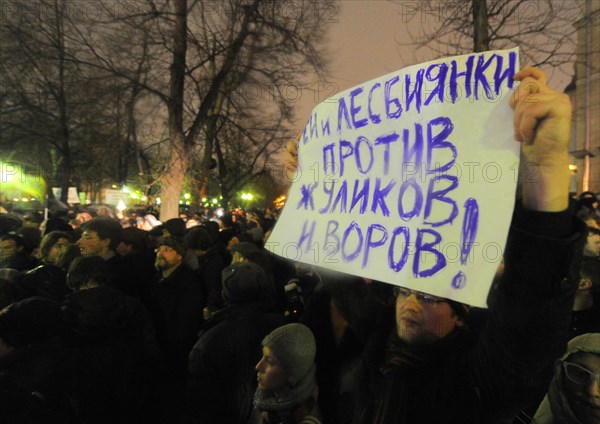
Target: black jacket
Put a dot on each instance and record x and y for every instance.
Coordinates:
(222, 377)
(486, 377)
(179, 301)
(114, 352)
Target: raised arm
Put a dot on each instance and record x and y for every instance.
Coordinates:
(542, 122)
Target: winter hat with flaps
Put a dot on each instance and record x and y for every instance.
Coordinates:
(294, 347)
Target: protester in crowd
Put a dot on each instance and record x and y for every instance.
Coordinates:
(51, 246)
(114, 345)
(574, 393)
(67, 256)
(174, 227)
(178, 313)
(341, 316)
(13, 253)
(137, 260)
(585, 317)
(34, 364)
(208, 261)
(592, 246)
(101, 236)
(222, 379)
(429, 367)
(47, 280)
(287, 391)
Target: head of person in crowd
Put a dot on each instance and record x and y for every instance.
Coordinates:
(100, 236)
(67, 256)
(288, 358)
(423, 318)
(226, 221)
(574, 393)
(52, 246)
(56, 224)
(592, 244)
(88, 272)
(11, 244)
(47, 281)
(242, 250)
(587, 200)
(174, 227)
(133, 240)
(589, 284)
(199, 240)
(245, 283)
(28, 322)
(169, 255)
(213, 229)
(148, 222)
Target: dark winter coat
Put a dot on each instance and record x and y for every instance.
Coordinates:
(467, 378)
(222, 376)
(115, 353)
(180, 300)
(35, 384)
(209, 270)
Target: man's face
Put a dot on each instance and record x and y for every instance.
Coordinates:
(584, 399)
(418, 322)
(270, 373)
(91, 244)
(166, 258)
(592, 246)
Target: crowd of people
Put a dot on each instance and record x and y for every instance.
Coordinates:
(194, 321)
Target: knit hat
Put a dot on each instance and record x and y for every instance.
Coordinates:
(295, 347)
(244, 282)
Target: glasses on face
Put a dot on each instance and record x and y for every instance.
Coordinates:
(578, 374)
(164, 248)
(423, 298)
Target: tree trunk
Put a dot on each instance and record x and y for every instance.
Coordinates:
(173, 176)
(172, 182)
(481, 40)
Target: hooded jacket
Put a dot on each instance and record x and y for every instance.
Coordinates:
(555, 408)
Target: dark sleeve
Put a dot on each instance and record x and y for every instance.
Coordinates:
(185, 321)
(529, 310)
(211, 275)
(201, 404)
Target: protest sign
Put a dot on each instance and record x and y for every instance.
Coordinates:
(409, 178)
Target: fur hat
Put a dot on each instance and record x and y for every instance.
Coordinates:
(175, 227)
(244, 282)
(173, 243)
(295, 347)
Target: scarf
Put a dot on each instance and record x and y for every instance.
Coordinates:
(290, 399)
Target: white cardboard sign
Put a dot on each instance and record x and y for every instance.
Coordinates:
(410, 178)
